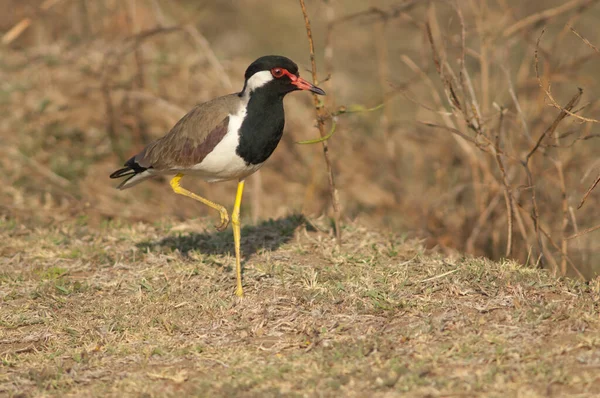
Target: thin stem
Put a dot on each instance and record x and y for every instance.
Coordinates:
(321, 116)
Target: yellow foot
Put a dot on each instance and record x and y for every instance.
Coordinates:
(239, 291)
(224, 221)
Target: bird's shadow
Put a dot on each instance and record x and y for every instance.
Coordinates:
(268, 235)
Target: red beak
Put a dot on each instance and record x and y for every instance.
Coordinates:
(305, 85)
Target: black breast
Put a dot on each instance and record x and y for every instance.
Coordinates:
(262, 127)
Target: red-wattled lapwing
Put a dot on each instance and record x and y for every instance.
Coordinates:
(227, 138)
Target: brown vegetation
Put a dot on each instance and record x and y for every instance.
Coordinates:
(485, 144)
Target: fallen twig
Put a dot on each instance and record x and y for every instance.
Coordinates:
(439, 276)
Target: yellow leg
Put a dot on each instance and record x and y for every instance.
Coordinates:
(237, 236)
(182, 191)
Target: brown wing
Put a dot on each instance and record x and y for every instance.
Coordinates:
(193, 137)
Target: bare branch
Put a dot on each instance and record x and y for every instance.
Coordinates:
(547, 90)
(589, 191)
(544, 15)
(586, 41)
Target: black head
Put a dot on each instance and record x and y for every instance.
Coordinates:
(278, 75)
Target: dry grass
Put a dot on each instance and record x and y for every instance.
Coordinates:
(148, 310)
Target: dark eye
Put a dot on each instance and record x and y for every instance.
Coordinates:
(277, 72)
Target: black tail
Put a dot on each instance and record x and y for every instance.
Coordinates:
(125, 171)
(131, 170)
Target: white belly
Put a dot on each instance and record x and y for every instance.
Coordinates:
(223, 163)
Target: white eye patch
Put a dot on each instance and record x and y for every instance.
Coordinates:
(258, 79)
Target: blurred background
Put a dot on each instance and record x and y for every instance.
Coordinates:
(85, 84)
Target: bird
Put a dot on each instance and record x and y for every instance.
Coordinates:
(227, 138)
